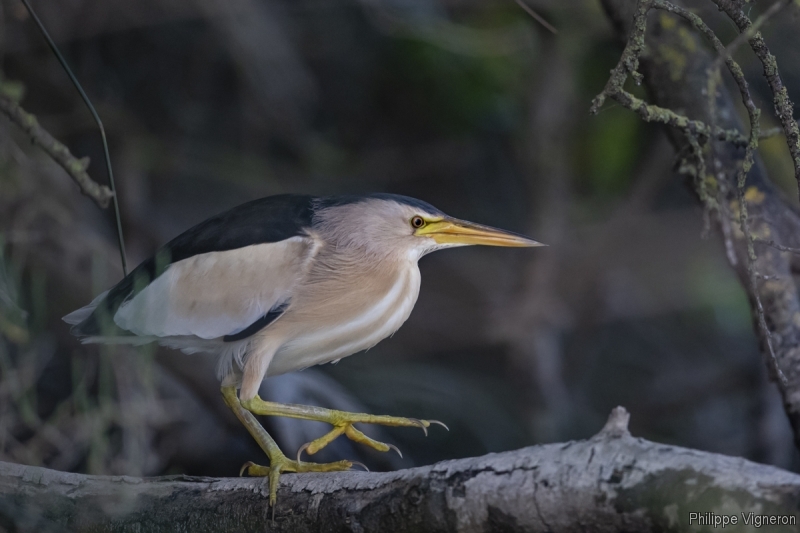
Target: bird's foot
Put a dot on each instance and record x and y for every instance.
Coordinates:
(280, 464)
(346, 428)
(342, 422)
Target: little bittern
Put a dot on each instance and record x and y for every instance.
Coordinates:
(280, 284)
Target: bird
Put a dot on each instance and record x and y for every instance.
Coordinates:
(280, 284)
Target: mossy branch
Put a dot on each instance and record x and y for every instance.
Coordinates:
(74, 166)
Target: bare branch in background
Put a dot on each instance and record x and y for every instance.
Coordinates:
(75, 167)
(780, 246)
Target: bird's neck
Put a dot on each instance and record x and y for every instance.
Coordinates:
(366, 255)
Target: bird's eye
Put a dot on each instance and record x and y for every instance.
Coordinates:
(417, 222)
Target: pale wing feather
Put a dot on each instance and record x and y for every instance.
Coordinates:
(218, 293)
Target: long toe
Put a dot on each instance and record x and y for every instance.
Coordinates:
(283, 464)
(352, 433)
(343, 424)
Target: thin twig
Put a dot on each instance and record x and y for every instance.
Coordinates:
(777, 246)
(85, 98)
(784, 107)
(537, 17)
(749, 33)
(75, 167)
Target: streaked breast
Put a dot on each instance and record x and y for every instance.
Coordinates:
(342, 324)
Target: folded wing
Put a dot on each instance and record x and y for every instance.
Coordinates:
(227, 277)
(219, 293)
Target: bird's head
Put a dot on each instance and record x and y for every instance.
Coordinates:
(389, 223)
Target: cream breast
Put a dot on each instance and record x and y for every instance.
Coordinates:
(354, 328)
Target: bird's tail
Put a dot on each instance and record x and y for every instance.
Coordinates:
(79, 315)
(86, 325)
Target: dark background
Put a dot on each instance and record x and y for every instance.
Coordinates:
(470, 105)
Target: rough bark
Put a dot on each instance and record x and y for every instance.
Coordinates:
(675, 67)
(611, 482)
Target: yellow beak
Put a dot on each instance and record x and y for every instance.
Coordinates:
(453, 231)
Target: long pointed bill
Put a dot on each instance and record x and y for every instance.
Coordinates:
(453, 231)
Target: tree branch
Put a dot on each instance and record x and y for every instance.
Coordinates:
(784, 108)
(611, 482)
(728, 176)
(75, 167)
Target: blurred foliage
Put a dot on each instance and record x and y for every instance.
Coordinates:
(452, 93)
(83, 422)
(611, 147)
(778, 161)
(12, 89)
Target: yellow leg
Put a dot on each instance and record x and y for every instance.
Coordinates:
(342, 422)
(278, 462)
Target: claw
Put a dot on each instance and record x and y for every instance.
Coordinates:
(245, 466)
(362, 464)
(395, 448)
(440, 423)
(421, 424)
(302, 449)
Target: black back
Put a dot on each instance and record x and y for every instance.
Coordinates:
(424, 207)
(270, 219)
